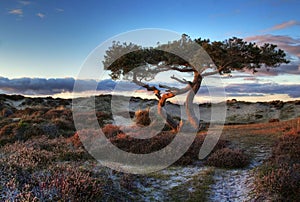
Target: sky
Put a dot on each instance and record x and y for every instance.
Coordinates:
(43, 44)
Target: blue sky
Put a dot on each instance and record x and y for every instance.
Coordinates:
(52, 38)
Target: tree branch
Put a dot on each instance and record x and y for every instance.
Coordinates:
(177, 68)
(169, 88)
(213, 72)
(183, 70)
(149, 88)
(180, 80)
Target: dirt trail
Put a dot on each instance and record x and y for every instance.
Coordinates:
(256, 141)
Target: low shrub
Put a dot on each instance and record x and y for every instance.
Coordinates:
(283, 180)
(228, 158)
(25, 131)
(111, 130)
(73, 184)
(58, 113)
(26, 156)
(75, 140)
(58, 183)
(103, 117)
(142, 117)
(280, 174)
(63, 124)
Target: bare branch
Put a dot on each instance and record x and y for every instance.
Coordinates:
(164, 98)
(203, 69)
(149, 88)
(183, 69)
(180, 80)
(169, 88)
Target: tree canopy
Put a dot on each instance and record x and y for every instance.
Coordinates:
(141, 64)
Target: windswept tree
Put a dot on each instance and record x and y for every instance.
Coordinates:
(141, 64)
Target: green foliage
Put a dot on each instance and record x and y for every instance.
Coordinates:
(228, 55)
(237, 54)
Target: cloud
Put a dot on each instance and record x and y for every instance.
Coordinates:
(25, 3)
(34, 86)
(50, 87)
(18, 12)
(41, 86)
(284, 25)
(263, 89)
(287, 43)
(59, 10)
(40, 15)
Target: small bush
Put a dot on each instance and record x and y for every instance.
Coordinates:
(280, 174)
(283, 180)
(228, 158)
(75, 185)
(142, 117)
(25, 131)
(58, 113)
(7, 130)
(111, 130)
(103, 117)
(75, 140)
(63, 124)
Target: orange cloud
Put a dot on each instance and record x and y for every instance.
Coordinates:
(283, 25)
(286, 43)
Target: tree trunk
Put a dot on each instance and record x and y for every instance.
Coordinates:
(190, 98)
(169, 120)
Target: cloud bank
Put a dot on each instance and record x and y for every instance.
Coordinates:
(41, 86)
(49, 87)
(286, 43)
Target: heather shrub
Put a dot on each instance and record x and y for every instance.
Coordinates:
(192, 153)
(228, 158)
(142, 117)
(75, 140)
(58, 113)
(111, 130)
(6, 112)
(49, 129)
(63, 149)
(280, 175)
(30, 113)
(73, 184)
(41, 152)
(103, 117)
(7, 131)
(25, 130)
(26, 156)
(63, 124)
(58, 183)
(283, 180)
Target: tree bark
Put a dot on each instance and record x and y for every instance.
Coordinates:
(161, 103)
(190, 98)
